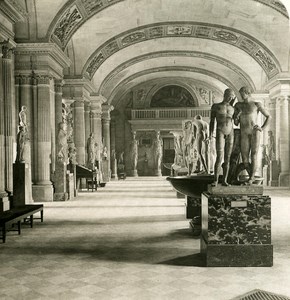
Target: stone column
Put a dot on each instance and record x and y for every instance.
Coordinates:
(8, 116)
(79, 130)
(113, 150)
(87, 125)
(3, 195)
(284, 141)
(106, 118)
(42, 189)
(60, 187)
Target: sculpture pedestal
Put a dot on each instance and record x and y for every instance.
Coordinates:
(236, 228)
(22, 190)
(4, 202)
(135, 173)
(60, 190)
(274, 173)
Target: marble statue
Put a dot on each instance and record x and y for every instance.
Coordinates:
(105, 152)
(202, 141)
(121, 158)
(246, 114)
(158, 151)
(91, 151)
(21, 140)
(134, 151)
(23, 117)
(189, 133)
(222, 114)
(61, 142)
(72, 154)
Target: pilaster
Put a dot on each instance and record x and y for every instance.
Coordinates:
(96, 120)
(38, 66)
(106, 118)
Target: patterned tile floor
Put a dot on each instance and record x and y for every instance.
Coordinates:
(130, 240)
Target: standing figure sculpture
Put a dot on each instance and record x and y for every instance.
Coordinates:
(23, 117)
(134, 153)
(271, 146)
(91, 151)
(202, 138)
(61, 143)
(21, 140)
(246, 114)
(158, 151)
(222, 114)
(189, 133)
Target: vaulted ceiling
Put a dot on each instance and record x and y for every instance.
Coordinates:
(119, 44)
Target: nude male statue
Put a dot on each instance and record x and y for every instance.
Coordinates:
(246, 114)
(202, 141)
(223, 113)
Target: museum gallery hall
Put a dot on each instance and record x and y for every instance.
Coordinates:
(144, 149)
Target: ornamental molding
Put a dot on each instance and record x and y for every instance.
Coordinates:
(75, 13)
(43, 49)
(82, 82)
(106, 82)
(7, 34)
(72, 16)
(259, 52)
(13, 10)
(173, 68)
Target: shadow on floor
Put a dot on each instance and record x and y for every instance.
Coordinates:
(193, 260)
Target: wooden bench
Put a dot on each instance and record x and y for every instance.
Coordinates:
(16, 215)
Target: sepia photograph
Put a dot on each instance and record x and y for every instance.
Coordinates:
(145, 149)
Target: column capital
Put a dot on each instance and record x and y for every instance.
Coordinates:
(45, 58)
(106, 109)
(6, 49)
(87, 106)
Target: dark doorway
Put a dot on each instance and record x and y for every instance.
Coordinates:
(168, 155)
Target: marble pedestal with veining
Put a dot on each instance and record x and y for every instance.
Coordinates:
(236, 229)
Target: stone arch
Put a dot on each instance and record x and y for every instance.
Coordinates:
(83, 10)
(254, 48)
(248, 81)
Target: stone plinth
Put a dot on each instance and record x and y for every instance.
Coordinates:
(274, 173)
(135, 173)
(22, 192)
(4, 202)
(236, 230)
(70, 185)
(234, 190)
(60, 190)
(105, 170)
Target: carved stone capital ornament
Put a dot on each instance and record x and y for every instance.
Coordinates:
(6, 49)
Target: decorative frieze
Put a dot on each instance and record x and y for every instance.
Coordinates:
(91, 5)
(66, 24)
(133, 38)
(192, 30)
(179, 30)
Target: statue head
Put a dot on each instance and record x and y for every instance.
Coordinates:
(23, 108)
(198, 117)
(270, 133)
(91, 134)
(245, 92)
(229, 95)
